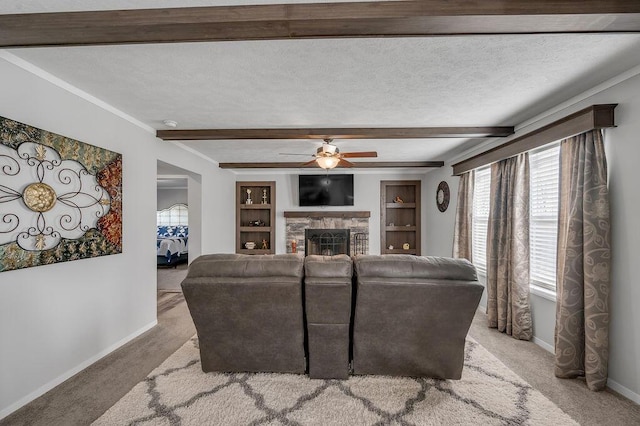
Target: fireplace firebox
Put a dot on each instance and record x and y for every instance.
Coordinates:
(327, 242)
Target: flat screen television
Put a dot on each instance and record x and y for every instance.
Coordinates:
(325, 190)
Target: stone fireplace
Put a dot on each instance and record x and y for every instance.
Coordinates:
(355, 222)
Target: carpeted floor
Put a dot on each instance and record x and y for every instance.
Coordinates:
(178, 392)
(169, 279)
(85, 397)
(536, 365)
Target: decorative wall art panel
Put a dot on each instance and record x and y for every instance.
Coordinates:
(60, 199)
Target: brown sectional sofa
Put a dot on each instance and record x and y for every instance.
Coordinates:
(398, 314)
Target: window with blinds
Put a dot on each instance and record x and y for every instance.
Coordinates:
(176, 215)
(544, 167)
(481, 191)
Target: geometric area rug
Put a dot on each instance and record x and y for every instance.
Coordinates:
(179, 393)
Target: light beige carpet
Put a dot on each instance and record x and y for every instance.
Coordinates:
(169, 279)
(179, 393)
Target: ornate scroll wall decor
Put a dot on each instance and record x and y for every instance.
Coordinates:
(60, 199)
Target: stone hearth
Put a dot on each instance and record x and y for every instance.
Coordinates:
(357, 222)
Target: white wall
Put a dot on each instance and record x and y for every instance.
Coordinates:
(439, 238)
(57, 319)
(366, 187)
(211, 195)
(623, 156)
(167, 197)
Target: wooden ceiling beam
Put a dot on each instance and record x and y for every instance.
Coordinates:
(356, 165)
(320, 20)
(336, 133)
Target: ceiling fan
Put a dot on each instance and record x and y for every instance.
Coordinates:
(329, 156)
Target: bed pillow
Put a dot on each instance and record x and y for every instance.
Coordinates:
(181, 231)
(166, 231)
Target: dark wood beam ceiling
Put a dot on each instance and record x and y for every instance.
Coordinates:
(356, 165)
(299, 21)
(336, 133)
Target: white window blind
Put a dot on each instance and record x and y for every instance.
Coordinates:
(481, 191)
(176, 215)
(543, 229)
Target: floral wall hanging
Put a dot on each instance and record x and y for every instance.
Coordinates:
(60, 199)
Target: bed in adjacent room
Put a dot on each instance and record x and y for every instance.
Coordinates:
(172, 245)
(172, 239)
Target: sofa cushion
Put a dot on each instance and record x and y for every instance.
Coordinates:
(247, 266)
(339, 266)
(414, 267)
(328, 289)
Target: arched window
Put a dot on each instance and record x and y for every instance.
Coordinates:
(176, 215)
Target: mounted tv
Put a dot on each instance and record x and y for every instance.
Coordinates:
(325, 190)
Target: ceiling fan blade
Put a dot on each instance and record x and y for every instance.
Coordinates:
(359, 154)
(308, 163)
(291, 153)
(345, 163)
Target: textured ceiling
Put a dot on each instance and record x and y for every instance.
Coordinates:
(384, 82)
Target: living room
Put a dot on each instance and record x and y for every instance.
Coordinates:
(58, 319)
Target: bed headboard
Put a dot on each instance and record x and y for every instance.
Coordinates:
(173, 222)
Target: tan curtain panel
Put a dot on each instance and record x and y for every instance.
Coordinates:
(462, 242)
(584, 260)
(508, 307)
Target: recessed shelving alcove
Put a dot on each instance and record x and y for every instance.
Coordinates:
(400, 217)
(255, 217)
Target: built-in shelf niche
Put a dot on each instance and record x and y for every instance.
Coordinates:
(255, 222)
(400, 217)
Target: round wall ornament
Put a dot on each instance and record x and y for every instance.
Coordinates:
(442, 196)
(39, 197)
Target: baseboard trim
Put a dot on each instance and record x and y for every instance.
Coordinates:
(624, 391)
(55, 382)
(611, 384)
(544, 345)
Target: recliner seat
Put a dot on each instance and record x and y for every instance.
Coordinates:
(412, 315)
(248, 312)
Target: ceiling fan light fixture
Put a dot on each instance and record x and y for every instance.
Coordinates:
(329, 148)
(327, 162)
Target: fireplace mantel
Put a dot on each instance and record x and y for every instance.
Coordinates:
(323, 214)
